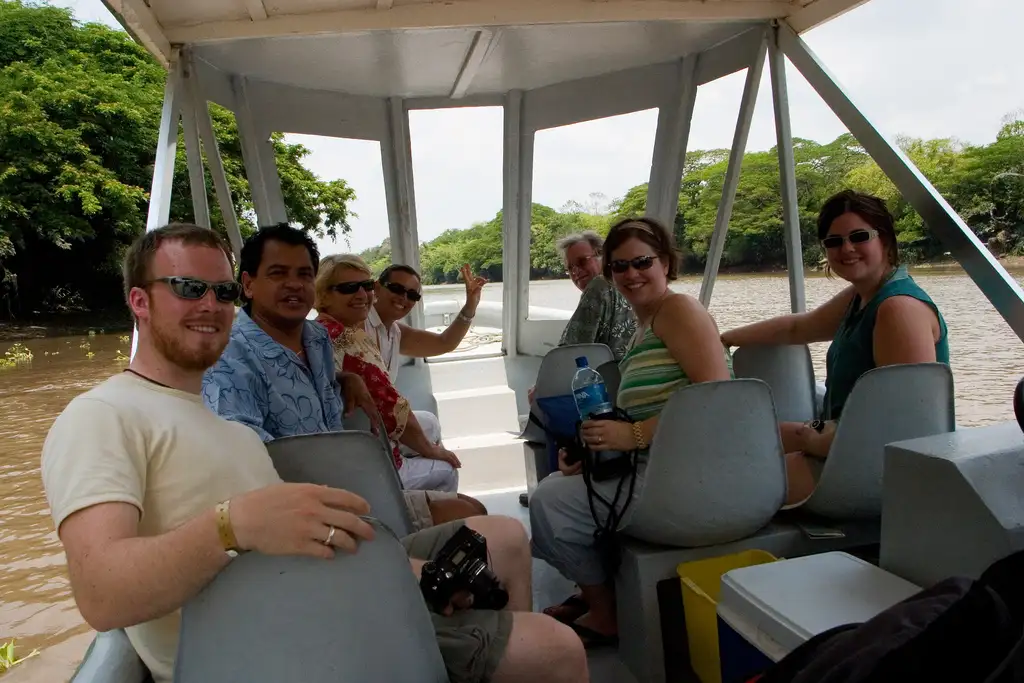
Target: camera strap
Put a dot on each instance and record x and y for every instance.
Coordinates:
(605, 534)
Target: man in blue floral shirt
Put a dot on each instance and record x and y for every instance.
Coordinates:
(277, 373)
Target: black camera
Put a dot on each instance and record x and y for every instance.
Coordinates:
(462, 566)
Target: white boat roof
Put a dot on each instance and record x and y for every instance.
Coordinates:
(447, 48)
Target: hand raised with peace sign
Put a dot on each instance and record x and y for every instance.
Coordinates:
(474, 289)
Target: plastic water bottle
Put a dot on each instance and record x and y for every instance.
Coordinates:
(589, 391)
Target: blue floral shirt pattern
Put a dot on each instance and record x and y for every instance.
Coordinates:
(264, 385)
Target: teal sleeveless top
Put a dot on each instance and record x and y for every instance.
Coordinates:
(852, 351)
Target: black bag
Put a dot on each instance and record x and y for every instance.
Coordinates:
(958, 630)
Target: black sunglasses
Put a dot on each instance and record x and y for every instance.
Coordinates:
(638, 263)
(855, 237)
(352, 287)
(193, 289)
(410, 294)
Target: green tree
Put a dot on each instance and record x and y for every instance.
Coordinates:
(79, 111)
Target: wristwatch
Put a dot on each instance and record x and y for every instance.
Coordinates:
(225, 531)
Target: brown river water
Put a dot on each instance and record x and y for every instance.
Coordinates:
(36, 606)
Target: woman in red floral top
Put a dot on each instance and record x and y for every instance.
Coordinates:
(344, 295)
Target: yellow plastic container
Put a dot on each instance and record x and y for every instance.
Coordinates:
(702, 580)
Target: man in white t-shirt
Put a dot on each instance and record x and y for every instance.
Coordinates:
(152, 494)
(397, 290)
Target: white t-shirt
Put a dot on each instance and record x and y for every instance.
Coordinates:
(163, 451)
(389, 341)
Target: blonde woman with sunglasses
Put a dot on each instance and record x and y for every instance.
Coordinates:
(882, 318)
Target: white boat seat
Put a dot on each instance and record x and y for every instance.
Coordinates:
(788, 371)
(716, 471)
(350, 460)
(887, 404)
(111, 658)
(271, 619)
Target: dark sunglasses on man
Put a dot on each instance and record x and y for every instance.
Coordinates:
(639, 263)
(410, 294)
(193, 289)
(352, 287)
(855, 237)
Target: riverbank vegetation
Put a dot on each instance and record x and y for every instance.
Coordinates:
(9, 660)
(79, 110)
(984, 183)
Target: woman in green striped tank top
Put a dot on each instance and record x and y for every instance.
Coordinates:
(677, 343)
(882, 318)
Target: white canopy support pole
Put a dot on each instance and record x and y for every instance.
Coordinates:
(194, 155)
(258, 157)
(204, 123)
(787, 176)
(993, 280)
(732, 174)
(670, 142)
(524, 225)
(511, 222)
(163, 167)
(166, 148)
(400, 192)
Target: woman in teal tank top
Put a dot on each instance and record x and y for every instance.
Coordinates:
(677, 344)
(882, 318)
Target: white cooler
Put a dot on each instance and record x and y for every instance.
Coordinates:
(767, 610)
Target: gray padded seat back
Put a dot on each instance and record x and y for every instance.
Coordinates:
(789, 372)
(887, 404)
(555, 378)
(286, 619)
(716, 471)
(111, 659)
(612, 379)
(354, 461)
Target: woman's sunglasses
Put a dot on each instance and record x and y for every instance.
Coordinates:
(193, 289)
(855, 237)
(638, 263)
(352, 287)
(410, 294)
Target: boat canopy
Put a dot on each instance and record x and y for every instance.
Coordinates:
(355, 68)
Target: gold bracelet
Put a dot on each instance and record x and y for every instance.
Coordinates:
(224, 529)
(638, 436)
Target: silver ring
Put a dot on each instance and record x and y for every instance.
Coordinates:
(330, 535)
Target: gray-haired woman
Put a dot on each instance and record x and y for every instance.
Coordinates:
(603, 315)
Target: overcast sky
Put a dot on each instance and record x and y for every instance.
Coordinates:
(928, 68)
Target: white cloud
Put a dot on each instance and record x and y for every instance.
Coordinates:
(930, 68)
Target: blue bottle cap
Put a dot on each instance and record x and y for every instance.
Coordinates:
(581, 362)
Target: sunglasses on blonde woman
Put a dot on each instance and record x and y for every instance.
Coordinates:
(352, 287)
(639, 263)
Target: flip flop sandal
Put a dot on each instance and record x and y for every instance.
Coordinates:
(592, 640)
(569, 611)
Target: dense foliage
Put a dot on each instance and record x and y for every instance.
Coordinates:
(985, 184)
(79, 112)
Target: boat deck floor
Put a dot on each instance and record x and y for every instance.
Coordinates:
(551, 588)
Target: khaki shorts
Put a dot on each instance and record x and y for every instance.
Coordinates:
(472, 642)
(418, 504)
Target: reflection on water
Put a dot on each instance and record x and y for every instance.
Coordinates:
(35, 601)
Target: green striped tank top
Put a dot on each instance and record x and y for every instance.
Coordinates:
(650, 375)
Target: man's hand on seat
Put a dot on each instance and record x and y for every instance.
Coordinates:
(297, 519)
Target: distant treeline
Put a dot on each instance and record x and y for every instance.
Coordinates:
(985, 184)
